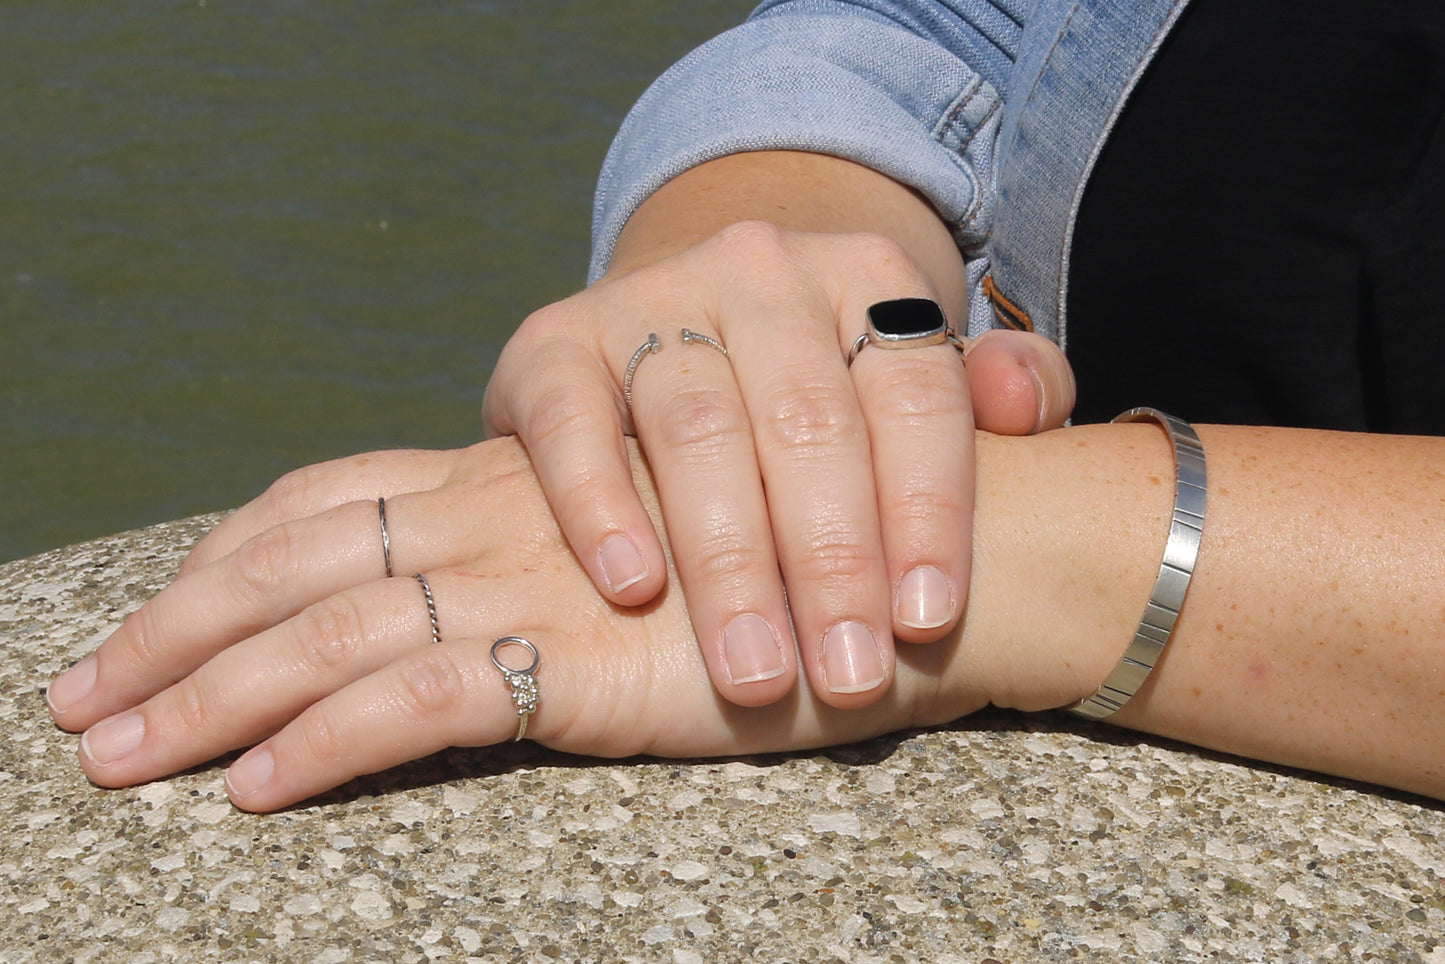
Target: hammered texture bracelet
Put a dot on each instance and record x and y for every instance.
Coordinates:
(1180, 552)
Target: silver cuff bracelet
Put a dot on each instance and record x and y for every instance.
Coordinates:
(1180, 553)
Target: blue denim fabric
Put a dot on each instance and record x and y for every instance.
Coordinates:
(993, 109)
(1078, 64)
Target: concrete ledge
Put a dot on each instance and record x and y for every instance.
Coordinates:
(1006, 838)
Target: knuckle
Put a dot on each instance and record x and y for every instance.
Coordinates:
(879, 252)
(560, 412)
(535, 341)
(514, 487)
(528, 348)
(431, 685)
(702, 421)
(766, 258)
(291, 496)
(192, 705)
(815, 416)
(264, 563)
(142, 640)
(916, 391)
(924, 509)
(590, 494)
(541, 325)
(726, 558)
(331, 633)
(831, 558)
(750, 239)
(196, 558)
(324, 738)
(883, 265)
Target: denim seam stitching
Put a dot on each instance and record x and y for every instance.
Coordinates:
(949, 123)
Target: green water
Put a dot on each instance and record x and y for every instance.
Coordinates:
(239, 237)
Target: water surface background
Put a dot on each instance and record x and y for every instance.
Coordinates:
(236, 238)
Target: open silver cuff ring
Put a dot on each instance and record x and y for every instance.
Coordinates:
(650, 347)
(689, 337)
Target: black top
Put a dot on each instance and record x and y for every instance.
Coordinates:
(1263, 238)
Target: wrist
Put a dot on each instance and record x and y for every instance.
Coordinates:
(795, 191)
(1068, 530)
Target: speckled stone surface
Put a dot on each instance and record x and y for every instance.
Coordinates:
(1001, 838)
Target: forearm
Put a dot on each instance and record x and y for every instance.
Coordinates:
(797, 191)
(1312, 631)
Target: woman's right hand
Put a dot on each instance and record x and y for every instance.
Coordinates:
(797, 489)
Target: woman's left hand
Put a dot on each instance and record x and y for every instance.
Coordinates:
(283, 630)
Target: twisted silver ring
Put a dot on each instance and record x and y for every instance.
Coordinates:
(431, 608)
(522, 681)
(650, 347)
(385, 539)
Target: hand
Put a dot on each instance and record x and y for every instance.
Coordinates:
(282, 628)
(791, 483)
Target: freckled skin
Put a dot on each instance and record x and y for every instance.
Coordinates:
(1296, 643)
(1327, 552)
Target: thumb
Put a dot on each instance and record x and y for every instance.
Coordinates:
(1020, 382)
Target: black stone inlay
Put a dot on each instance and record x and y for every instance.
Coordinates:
(907, 318)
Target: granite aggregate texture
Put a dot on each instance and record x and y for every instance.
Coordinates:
(1002, 838)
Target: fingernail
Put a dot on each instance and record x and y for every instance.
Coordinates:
(72, 686)
(251, 772)
(1041, 409)
(622, 565)
(851, 662)
(750, 650)
(113, 739)
(925, 599)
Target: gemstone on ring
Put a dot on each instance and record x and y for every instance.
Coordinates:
(907, 323)
(523, 681)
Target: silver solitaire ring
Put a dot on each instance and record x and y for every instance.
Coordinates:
(906, 323)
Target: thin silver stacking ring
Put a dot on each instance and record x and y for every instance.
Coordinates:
(385, 539)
